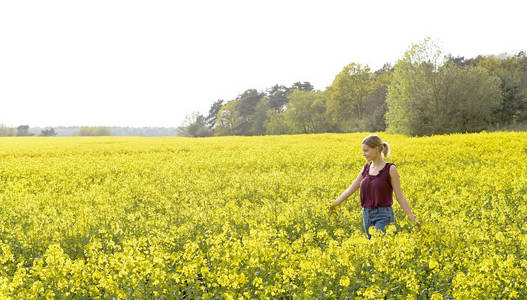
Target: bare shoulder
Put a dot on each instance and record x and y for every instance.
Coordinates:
(393, 170)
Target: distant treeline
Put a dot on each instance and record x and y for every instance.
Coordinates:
(25, 130)
(425, 93)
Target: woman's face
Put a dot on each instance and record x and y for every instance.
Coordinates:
(369, 153)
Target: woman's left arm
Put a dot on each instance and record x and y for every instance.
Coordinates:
(396, 185)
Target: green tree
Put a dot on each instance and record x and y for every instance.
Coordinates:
(228, 120)
(302, 86)
(246, 107)
(411, 89)
(426, 96)
(385, 69)
(347, 96)
(512, 71)
(306, 111)
(256, 123)
(48, 132)
(195, 125)
(277, 96)
(275, 123)
(92, 131)
(467, 99)
(23, 130)
(210, 120)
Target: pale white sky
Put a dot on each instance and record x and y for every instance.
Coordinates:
(151, 63)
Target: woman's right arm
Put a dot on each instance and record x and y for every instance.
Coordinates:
(348, 192)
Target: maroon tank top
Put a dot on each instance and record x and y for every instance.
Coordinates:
(376, 190)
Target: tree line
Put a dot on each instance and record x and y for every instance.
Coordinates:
(426, 92)
(23, 130)
(63, 131)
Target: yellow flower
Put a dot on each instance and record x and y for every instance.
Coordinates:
(344, 281)
(432, 264)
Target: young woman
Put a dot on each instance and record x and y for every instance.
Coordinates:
(377, 181)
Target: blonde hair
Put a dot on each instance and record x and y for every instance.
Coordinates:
(375, 141)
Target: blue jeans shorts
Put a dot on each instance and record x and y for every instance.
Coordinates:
(378, 217)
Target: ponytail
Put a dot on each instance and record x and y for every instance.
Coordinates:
(385, 149)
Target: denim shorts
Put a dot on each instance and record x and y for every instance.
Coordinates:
(378, 217)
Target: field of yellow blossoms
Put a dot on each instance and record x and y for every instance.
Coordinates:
(246, 217)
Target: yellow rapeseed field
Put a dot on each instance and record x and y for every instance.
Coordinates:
(246, 217)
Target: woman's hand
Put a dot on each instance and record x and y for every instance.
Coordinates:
(418, 225)
(413, 220)
(332, 209)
